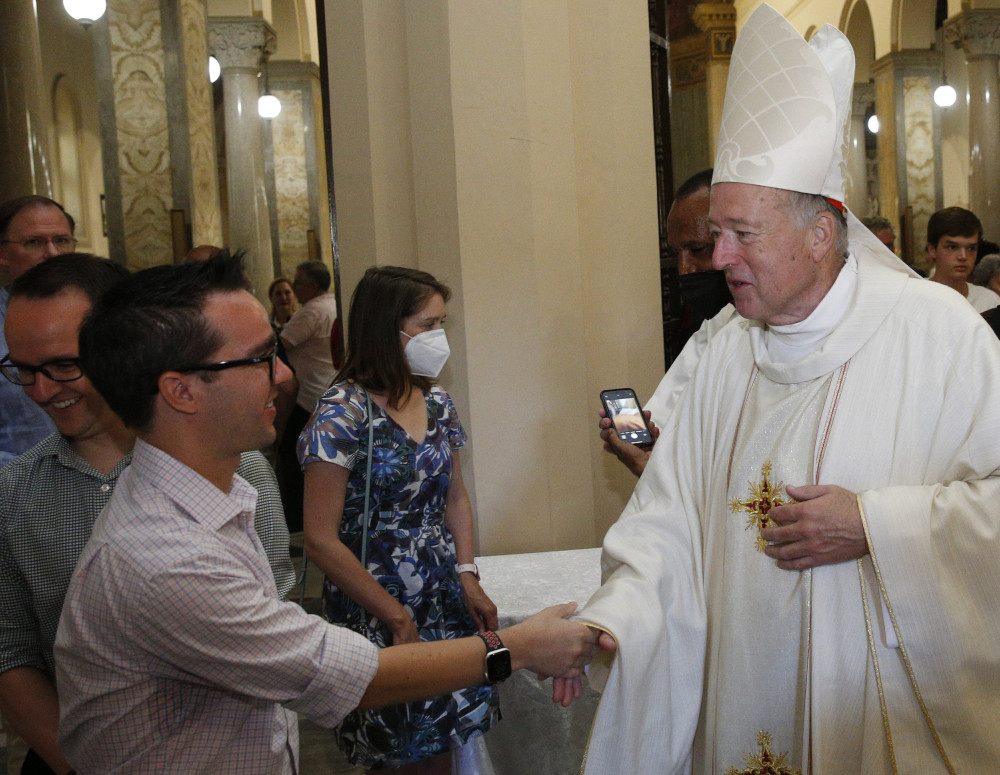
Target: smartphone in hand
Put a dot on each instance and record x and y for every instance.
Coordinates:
(623, 409)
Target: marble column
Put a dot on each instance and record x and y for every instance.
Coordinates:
(909, 150)
(242, 44)
(857, 159)
(22, 126)
(299, 165)
(718, 22)
(977, 33)
(699, 68)
(157, 133)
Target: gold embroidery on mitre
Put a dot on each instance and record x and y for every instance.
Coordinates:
(763, 497)
(764, 762)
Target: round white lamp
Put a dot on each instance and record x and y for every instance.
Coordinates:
(214, 69)
(85, 11)
(945, 96)
(268, 106)
(873, 124)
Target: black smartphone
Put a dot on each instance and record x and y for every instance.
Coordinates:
(623, 409)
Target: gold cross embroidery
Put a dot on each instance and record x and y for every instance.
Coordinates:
(763, 497)
(764, 762)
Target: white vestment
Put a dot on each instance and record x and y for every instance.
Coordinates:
(669, 391)
(887, 664)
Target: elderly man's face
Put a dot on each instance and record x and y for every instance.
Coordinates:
(37, 232)
(688, 233)
(766, 257)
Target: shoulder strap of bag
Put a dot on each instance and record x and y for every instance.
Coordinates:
(368, 482)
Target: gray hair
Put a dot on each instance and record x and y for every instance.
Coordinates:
(804, 209)
(316, 273)
(877, 223)
(986, 269)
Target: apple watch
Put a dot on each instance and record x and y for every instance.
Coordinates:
(497, 658)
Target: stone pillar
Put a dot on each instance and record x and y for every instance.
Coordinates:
(22, 128)
(718, 22)
(699, 68)
(303, 216)
(157, 135)
(909, 153)
(242, 44)
(977, 33)
(857, 158)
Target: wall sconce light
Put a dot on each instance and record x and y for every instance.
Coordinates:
(873, 124)
(214, 69)
(945, 95)
(85, 11)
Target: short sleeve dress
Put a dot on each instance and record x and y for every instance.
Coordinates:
(411, 553)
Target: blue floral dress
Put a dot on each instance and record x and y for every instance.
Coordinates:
(411, 553)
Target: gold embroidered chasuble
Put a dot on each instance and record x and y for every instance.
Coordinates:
(758, 668)
(890, 665)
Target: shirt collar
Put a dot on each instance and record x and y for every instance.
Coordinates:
(190, 491)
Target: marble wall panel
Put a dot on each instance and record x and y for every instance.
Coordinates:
(918, 126)
(291, 179)
(143, 153)
(205, 216)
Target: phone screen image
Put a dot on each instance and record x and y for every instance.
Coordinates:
(623, 409)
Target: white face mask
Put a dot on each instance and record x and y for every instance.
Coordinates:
(427, 352)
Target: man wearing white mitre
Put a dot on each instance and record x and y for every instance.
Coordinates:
(806, 578)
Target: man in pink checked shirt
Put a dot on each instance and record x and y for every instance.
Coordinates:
(174, 653)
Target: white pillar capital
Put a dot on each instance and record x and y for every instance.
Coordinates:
(976, 32)
(241, 42)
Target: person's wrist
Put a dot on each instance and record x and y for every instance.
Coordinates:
(517, 645)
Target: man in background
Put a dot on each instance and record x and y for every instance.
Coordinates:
(703, 289)
(32, 228)
(953, 236)
(882, 229)
(306, 337)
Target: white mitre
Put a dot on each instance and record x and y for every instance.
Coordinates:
(786, 118)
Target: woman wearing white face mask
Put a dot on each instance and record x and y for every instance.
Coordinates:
(417, 580)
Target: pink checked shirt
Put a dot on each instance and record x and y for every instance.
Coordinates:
(174, 653)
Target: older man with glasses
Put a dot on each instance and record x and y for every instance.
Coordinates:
(32, 229)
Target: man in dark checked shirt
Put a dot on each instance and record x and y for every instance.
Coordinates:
(51, 495)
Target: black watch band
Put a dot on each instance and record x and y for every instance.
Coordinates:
(497, 665)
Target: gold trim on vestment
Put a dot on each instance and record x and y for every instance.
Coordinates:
(764, 761)
(902, 648)
(871, 649)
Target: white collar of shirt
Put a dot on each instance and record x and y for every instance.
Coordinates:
(789, 343)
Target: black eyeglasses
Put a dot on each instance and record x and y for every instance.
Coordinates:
(59, 370)
(269, 359)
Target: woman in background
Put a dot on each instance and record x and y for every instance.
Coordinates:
(418, 580)
(282, 302)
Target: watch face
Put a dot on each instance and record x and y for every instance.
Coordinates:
(498, 666)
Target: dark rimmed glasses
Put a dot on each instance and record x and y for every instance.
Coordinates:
(269, 359)
(58, 370)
